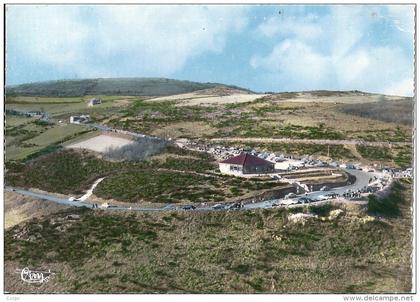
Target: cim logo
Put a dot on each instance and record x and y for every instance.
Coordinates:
(30, 276)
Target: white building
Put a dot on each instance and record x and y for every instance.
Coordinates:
(94, 101)
(81, 119)
(246, 164)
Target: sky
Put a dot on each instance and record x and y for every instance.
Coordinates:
(259, 47)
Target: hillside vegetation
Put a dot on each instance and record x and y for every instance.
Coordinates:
(393, 111)
(182, 176)
(111, 86)
(261, 251)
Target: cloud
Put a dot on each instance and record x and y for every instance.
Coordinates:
(307, 65)
(403, 17)
(120, 40)
(336, 50)
(403, 87)
(286, 26)
(47, 34)
(165, 38)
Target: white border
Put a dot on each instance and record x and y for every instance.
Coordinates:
(209, 298)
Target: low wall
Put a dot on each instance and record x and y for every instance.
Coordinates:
(351, 179)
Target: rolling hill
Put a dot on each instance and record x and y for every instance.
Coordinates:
(112, 86)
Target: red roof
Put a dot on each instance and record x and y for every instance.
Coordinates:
(246, 159)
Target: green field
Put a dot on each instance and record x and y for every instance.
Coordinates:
(25, 136)
(23, 141)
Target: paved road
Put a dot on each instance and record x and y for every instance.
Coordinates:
(307, 141)
(362, 179)
(134, 134)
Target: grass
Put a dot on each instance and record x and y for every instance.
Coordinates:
(220, 252)
(174, 179)
(403, 156)
(57, 133)
(394, 134)
(396, 111)
(159, 187)
(260, 118)
(25, 136)
(144, 116)
(397, 156)
(389, 205)
(24, 140)
(375, 153)
(247, 126)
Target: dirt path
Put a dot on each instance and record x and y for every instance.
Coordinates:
(354, 151)
(307, 141)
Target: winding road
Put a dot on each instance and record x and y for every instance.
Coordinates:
(362, 180)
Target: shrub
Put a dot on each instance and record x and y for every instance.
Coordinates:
(139, 150)
(387, 206)
(321, 210)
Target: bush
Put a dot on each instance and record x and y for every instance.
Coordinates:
(387, 206)
(322, 210)
(139, 150)
(44, 151)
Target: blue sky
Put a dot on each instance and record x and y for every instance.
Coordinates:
(260, 47)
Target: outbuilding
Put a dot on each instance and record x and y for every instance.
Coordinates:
(246, 163)
(81, 119)
(94, 101)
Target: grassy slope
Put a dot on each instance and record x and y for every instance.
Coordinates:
(230, 252)
(26, 139)
(400, 111)
(112, 86)
(175, 179)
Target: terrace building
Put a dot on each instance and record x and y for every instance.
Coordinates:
(246, 163)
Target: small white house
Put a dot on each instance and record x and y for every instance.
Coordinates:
(81, 119)
(94, 101)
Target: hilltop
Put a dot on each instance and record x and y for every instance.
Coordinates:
(331, 96)
(114, 86)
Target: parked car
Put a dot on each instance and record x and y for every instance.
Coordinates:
(305, 200)
(170, 207)
(218, 207)
(324, 188)
(321, 198)
(288, 201)
(235, 206)
(290, 195)
(332, 195)
(188, 207)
